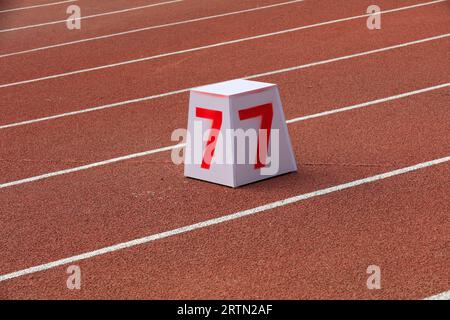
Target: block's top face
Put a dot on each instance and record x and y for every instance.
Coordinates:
(233, 88)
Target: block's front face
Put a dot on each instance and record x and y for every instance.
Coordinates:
(206, 152)
(251, 113)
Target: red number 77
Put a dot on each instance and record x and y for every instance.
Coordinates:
(265, 111)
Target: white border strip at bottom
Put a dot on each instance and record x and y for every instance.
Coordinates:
(440, 296)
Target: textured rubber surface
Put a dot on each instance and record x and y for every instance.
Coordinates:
(317, 248)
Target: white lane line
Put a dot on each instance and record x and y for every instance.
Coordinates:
(215, 45)
(222, 219)
(149, 28)
(37, 6)
(365, 53)
(369, 103)
(181, 145)
(89, 166)
(90, 16)
(106, 106)
(157, 96)
(440, 296)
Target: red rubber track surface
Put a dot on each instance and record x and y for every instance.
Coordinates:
(316, 248)
(56, 12)
(173, 38)
(127, 82)
(179, 11)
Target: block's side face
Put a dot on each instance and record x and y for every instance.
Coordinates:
(265, 104)
(206, 111)
(289, 163)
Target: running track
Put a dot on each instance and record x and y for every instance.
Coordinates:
(86, 175)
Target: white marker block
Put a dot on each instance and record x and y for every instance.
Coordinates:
(237, 134)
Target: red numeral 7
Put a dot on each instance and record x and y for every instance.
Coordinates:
(216, 118)
(265, 111)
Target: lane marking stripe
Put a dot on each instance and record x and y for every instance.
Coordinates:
(440, 296)
(370, 103)
(149, 28)
(222, 219)
(37, 6)
(219, 44)
(90, 16)
(89, 166)
(168, 148)
(157, 96)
